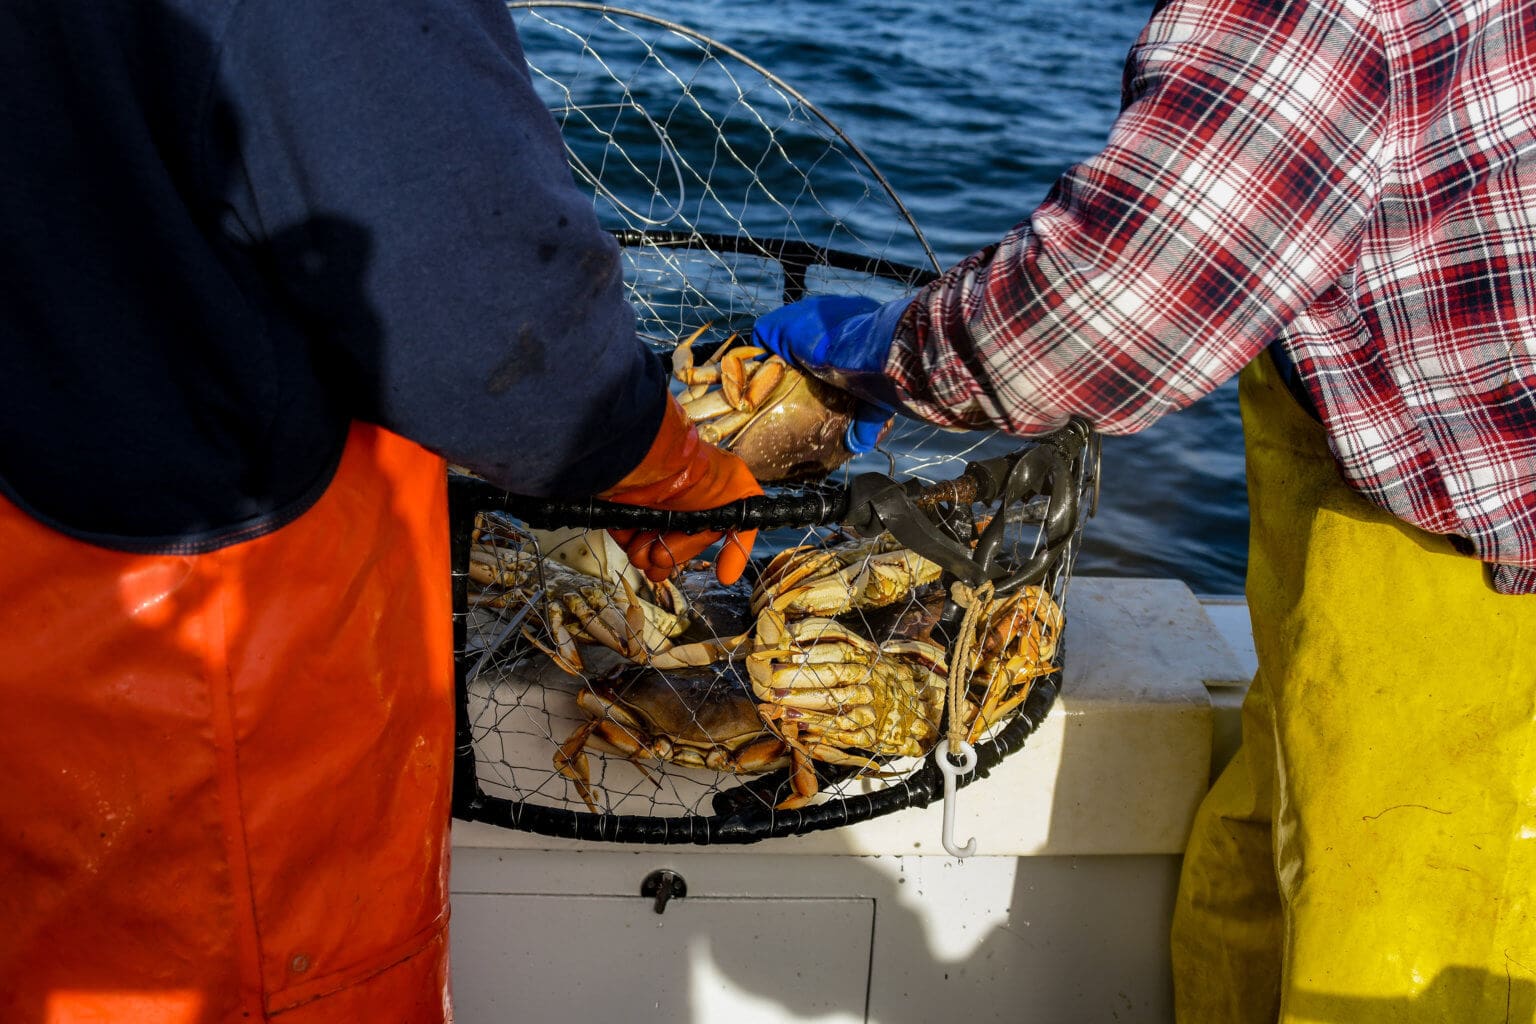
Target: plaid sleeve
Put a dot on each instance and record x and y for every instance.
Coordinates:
(1234, 189)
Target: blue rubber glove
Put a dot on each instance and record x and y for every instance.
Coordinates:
(843, 340)
(869, 420)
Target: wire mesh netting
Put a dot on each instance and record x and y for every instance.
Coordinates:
(596, 704)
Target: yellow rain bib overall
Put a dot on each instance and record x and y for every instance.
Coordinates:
(1370, 853)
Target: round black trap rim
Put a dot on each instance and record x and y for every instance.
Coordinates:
(743, 813)
(738, 827)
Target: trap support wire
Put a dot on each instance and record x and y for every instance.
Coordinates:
(713, 45)
(795, 257)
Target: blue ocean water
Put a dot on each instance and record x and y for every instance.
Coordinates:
(971, 110)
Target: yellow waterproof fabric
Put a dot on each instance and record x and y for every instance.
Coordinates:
(1370, 853)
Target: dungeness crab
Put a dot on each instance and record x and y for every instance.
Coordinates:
(696, 718)
(830, 580)
(837, 697)
(784, 425)
(1018, 639)
(575, 608)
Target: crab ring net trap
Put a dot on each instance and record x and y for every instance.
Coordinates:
(895, 598)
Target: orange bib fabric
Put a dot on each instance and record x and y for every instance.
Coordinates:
(227, 775)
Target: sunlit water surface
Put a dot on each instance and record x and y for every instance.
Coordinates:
(971, 110)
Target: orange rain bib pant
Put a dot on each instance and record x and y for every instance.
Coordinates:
(227, 774)
(1370, 852)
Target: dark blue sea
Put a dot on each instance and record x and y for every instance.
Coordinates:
(970, 110)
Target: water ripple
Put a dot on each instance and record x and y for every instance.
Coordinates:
(971, 109)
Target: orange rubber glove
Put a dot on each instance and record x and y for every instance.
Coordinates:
(685, 474)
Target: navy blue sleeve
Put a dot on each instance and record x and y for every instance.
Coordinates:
(400, 147)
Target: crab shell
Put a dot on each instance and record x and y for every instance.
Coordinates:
(1017, 643)
(715, 609)
(693, 718)
(699, 718)
(797, 433)
(819, 579)
(830, 691)
(579, 608)
(786, 426)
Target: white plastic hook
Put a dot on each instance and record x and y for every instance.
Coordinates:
(952, 771)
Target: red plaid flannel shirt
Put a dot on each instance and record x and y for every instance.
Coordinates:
(1355, 180)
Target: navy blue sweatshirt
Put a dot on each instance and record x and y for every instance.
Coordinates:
(230, 227)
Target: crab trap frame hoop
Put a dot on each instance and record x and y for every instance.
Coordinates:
(1051, 481)
(729, 195)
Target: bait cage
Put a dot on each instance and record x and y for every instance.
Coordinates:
(731, 194)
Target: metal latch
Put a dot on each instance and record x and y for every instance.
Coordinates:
(663, 885)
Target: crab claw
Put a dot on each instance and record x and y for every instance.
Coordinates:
(802, 776)
(697, 377)
(746, 387)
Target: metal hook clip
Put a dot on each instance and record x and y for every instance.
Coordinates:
(950, 772)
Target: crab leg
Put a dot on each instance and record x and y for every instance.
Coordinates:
(707, 406)
(562, 647)
(807, 692)
(694, 655)
(761, 755)
(619, 739)
(855, 728)
(773, 630)
(765, 382)
(743, 387)
(720, 429)
(682, 356)
(616, 629)
(496, 569)
(836, 755)
(802, 777)
(1000, 700)
(571, 762)
(827, 652)
(993, 711)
